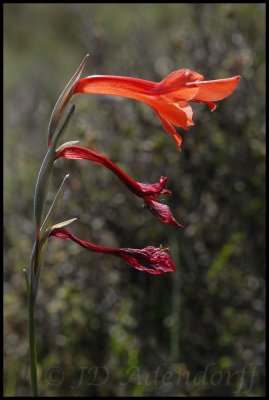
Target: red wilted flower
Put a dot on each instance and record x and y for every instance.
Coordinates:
(150, 259)
(140, 189)
(168, 98)
(143, 190)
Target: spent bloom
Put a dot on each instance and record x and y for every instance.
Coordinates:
(148, 192)
(151, 259)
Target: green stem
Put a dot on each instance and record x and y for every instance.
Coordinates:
(32, 344)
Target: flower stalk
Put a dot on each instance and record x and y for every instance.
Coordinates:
(41, 238)
(32, 344)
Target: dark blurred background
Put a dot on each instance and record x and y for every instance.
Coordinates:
(111, 330)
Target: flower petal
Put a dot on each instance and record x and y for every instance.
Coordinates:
(175, 114)
(174, 85)
(170, 129)
(215, 90)
(161, 211)
(180, 77)
(186, 108)
(150, 259)
(155, 188)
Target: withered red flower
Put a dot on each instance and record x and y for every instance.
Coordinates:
(151, 259)
(147, 192)
(140, 189)
(168, 98)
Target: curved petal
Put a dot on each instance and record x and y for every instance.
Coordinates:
(175, 114)
(186, 108)
(161, 211)
(174, 86)
(215, 90)
(155, 188)
(170, 129)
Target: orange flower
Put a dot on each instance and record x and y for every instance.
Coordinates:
(168, 98)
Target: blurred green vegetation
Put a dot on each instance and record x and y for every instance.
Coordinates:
(110, 329)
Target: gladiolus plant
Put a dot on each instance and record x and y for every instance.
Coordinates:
(170, 100)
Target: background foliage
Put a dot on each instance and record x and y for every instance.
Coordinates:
(199, 331)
